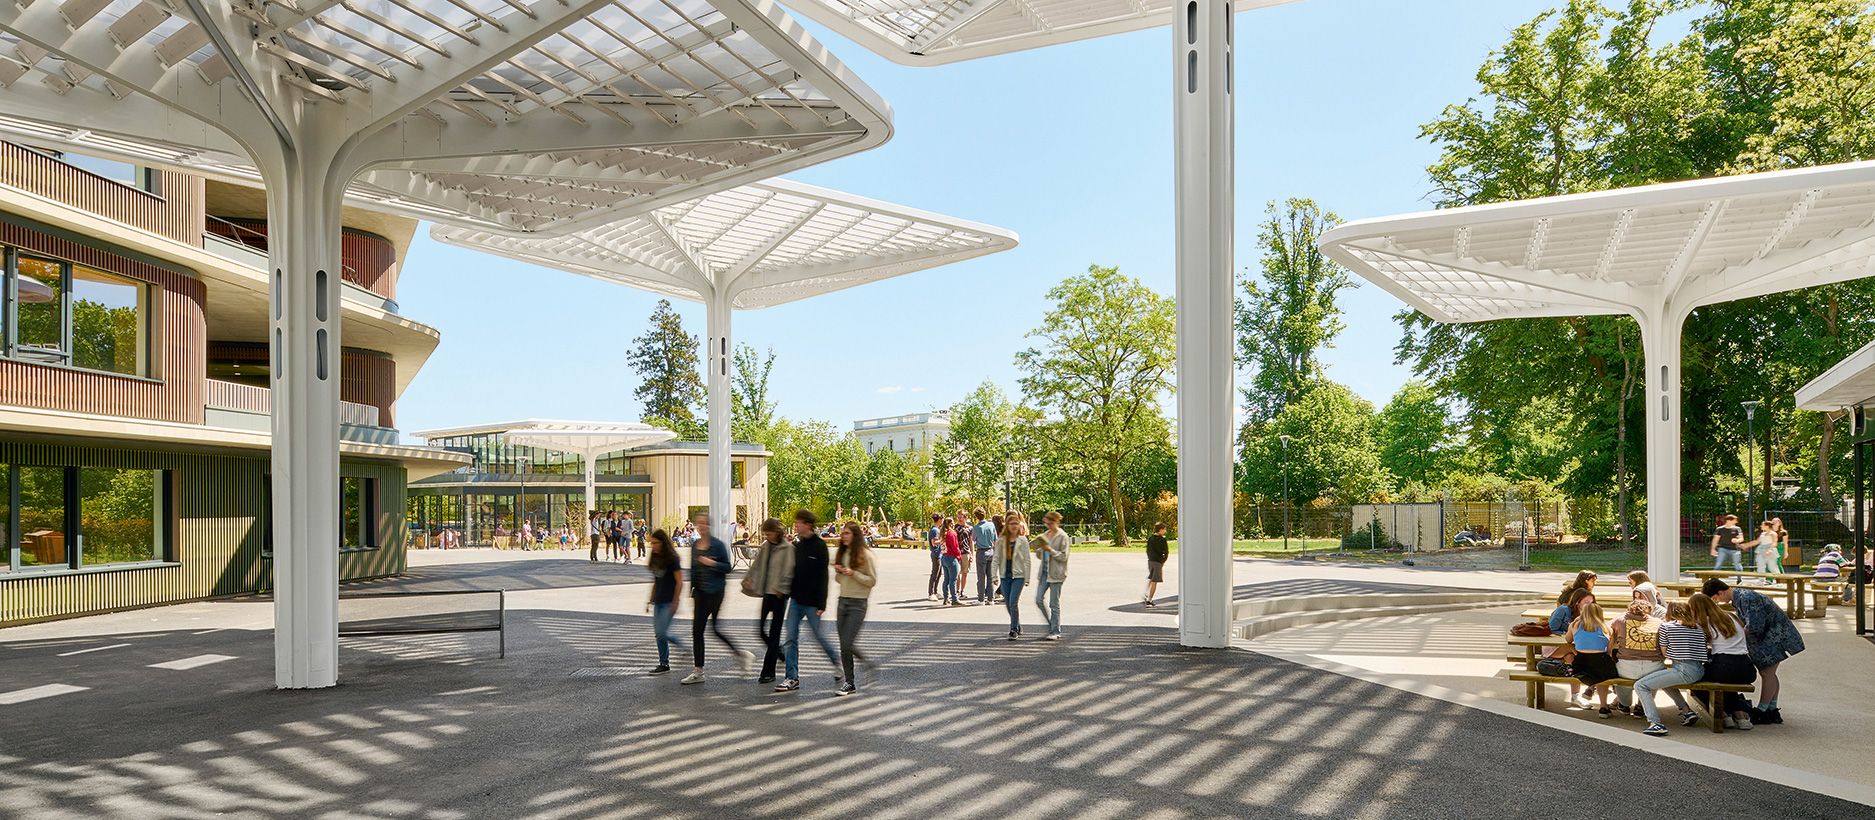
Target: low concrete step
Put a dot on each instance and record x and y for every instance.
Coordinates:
(1261, 625)
(1255, 607)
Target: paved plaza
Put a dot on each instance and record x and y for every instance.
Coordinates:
(177, 717)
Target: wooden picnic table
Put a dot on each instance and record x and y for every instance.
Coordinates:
(1532, 643)
(1796, 588)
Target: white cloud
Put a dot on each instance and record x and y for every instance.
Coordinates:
(896, 388)
(917, 390)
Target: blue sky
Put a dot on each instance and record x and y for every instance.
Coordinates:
(1069, 146)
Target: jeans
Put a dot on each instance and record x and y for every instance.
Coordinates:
(1051, 611)
(1731, 556)
(663, 619)
(935, 573)
(1730, 669)
(848, 618)
(791, 645)
(1635, 670)
(1680, 672)
(986, 585)
(950, 578)
(768, 628)
(707, 606)
(1012, 598)
(1767, 560)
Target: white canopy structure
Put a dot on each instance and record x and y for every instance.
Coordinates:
(1848, 384)
(504, 114)
(931, 32)
(587, 439)
(934, 32)
(1655, 253)
(752, 247)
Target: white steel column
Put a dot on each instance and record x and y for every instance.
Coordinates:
(303, 201)
(592, 481)
(1660, 341)
(1203, 141)
(721, 510)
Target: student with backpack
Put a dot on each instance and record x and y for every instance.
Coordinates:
(1684, 644)
(769, 578)
(1636, 637)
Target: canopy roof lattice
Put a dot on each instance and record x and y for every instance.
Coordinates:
(763, 244)
(1655, 252)
(934, 32)
(586, 439)
(1847, 384)
(502, 114)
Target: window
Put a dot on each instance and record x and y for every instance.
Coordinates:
(61, 313)
(352, 513)
(358, 508)
(122, 173)
(737, 471)
(77, 517)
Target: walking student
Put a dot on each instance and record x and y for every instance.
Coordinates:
(1012, 566)
(667, 577)
(854, 570)
(807, 600)
(1765, 554)
(1727, 538)
(769, 577)
(1156, 552)
(984, 537)
(1053, 551)
(625, 538)
(709, 575)
(595, 530)
(934, 539)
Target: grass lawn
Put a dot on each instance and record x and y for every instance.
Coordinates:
(1256, 545)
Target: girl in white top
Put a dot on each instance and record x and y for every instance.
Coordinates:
(1766, 551)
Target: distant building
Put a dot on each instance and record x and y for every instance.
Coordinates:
(911, 433)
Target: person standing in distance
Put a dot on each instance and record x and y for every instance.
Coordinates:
(934, 539)
(1053, 572)
(709, 576)
(1156, 552)
(984, 536)
(807, 600)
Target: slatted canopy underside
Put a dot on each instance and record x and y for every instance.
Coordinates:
(1661, 248)
(587, 439)
(933, 32)
(765, 244)
(501, 114)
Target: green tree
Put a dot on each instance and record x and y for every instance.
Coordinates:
(1102, 366)
(668, 385)
(973, 456)
(1287, 314)
(1331, 454)
(1415, 434)
(752, 411)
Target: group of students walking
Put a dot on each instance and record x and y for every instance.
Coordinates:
(1005, 555)
(1659, 645)
(789, 573)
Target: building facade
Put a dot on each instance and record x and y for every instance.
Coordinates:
(134, 408)
(910, 433)
(509, 484)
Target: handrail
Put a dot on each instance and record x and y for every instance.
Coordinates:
(247, 398)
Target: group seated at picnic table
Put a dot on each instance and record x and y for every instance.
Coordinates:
(1716, 643)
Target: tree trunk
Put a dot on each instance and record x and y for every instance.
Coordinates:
(1113, 497)
(1621, 444)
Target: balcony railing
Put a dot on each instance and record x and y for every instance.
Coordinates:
(244, 398)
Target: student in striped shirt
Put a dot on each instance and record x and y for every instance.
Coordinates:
(1685, 647)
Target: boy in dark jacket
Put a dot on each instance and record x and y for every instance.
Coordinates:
(807, 600)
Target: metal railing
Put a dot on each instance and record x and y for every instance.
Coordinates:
(247, 398)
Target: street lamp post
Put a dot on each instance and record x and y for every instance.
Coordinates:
(1286, 504)
(520, 499)
(1751, 478)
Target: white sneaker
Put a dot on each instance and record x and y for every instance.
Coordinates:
(695, 676)
(1740, 721)
(1052, 636)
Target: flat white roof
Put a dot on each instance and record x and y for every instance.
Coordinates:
(933, 32)
(1850, 383)
(767, 243)
(1643, 250)
(501, 114)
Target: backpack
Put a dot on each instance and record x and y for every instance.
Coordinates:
(1531, 629)
(1554, 668)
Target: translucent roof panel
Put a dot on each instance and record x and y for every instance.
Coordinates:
(588, 439)
(499, 114)
(765, 244)
(933, 32)
(1661, 247)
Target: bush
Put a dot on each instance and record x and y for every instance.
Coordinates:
(1372, 536)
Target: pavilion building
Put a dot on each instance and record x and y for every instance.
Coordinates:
(134, 400)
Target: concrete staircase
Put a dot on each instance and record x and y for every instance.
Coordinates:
(1260, 616)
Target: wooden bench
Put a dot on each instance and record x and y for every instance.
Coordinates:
(1534, 692)
(1531, 644)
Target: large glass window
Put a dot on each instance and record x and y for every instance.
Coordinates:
(358, 513)
(76, 517)
(123, 173)
(62, 313)
(108, 314)
(120, 514)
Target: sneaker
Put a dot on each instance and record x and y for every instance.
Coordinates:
(765, 679)
(788, 685)
(1624, 709)
(1150, 603)
(1771, 715)
(1012, 634)
(1605, 713)
(747, 658)
(1655, 729)
(846, 689)
(931, 597)
(1052, 636)
(660, 669)
(1740, 721)
(695, 676)
(1689, 718)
